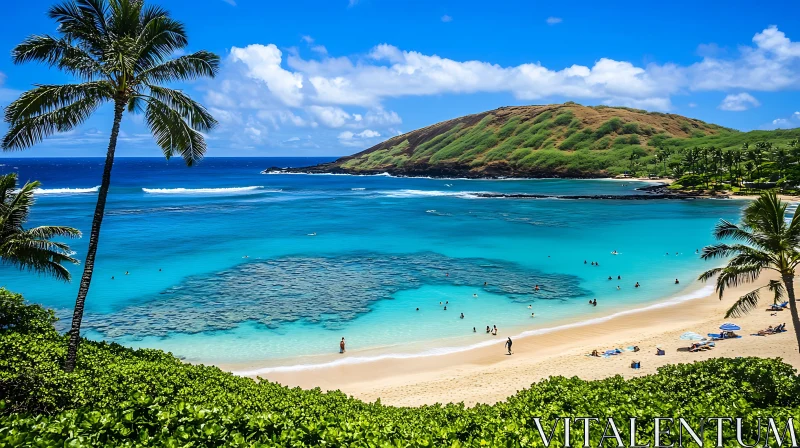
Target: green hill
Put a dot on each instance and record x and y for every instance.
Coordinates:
(544, 141)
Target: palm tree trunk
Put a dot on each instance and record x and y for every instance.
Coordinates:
(94, 236)
(788, 280)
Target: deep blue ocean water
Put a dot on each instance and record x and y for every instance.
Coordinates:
(228, 265)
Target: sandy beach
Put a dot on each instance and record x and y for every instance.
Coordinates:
(488, 374)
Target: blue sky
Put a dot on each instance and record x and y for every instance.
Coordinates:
(333, 77)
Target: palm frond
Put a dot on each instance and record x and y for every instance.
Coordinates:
(46, 98)
(707, 275)
(733, 276)
(191, 111)
(30, 249)
(744, 304)
(80, 24)
(159, 37)
(173, 134)
(28, 131)
(59, 53)
(47, 232)
(188, 67)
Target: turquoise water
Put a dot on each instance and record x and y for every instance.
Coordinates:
(227, 265)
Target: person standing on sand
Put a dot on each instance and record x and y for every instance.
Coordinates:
(341, 346)
(508, 345)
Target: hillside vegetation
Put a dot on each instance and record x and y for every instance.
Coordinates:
(543, 141)
(119, 397)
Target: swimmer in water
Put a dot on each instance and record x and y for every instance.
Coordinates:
(617, 287)
(445, 308)
(126, 272)
(159, 269)
(595, 302)
(677, 282)
(462, 315)
(531, 314)
(440, 303)
(530, 306)
(636, 285)
(536, 288)
(417, 309)
(619, 277)
(488, 330)
(474, 330)
(474, 295)
(609, 277)
(484, 283)
(584, 261)
(112, 277)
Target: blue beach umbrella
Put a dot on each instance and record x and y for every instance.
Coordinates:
(729, 327)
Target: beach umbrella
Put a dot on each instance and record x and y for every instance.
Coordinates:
(691, 336)
(729, 327)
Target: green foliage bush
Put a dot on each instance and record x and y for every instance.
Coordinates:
(119, 397)
(691, 180)
(612, 125)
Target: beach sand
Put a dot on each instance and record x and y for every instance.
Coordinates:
(488, 374)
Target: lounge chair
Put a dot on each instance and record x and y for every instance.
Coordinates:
(780, 307)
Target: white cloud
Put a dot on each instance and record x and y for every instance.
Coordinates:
(307, 39)
(739, 102)
(230, 2)
(381, 117)
(446, 18)
(784, 123)
(349, 138)
(332, 117)
(320, 49)
(554, 20)
(264, 64)
(292, 139)
(692, 105)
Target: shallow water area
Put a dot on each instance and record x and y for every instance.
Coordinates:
(228, 265)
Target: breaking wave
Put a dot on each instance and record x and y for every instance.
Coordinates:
(254, 189)
(66, 190)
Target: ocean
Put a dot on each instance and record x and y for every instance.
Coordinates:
(222, 264)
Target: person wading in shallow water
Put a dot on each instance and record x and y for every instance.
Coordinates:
(341, 346)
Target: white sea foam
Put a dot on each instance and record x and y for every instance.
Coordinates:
(66, 190)
(428, 193)
(696, 294)
(231, 190)
(358, 189)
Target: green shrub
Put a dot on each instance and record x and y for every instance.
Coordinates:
(612, 125)
(123, 397)
(631, 128)
(563, 119)
(691, 180)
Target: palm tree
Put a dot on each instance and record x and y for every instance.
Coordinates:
(765, 242)
(120, 51)
(729, 160)
(30, 249)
